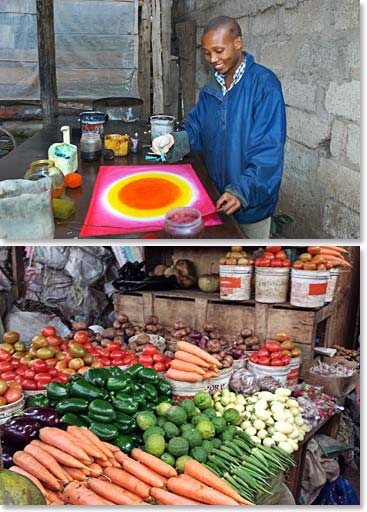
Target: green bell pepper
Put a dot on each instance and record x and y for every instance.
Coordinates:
(97, 377)
(163, 387)
(123, 383)
(115, 371)
(149, 406)
(104, 431)
(134, 370)
(125, 403)
(82, 389)
(150, 392)
(38, 401)
(71, 405)
(101, 411)
(125, 424)
(125, 443)
(85, 419)
(72, 419)
(164, 399)
(148, 375)
(57, 391)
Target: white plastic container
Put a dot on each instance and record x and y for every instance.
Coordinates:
(332, 284)
(271, 284)
(9, 410)
(293, 375)
(278, 372)
(235, 282)
(308, 288)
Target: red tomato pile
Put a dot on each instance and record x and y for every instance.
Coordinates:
(152, 358)
(270, 355)
(112, 355)
(273, 257)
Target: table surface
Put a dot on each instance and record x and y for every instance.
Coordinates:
(16, 163)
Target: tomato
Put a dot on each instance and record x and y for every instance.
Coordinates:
(40, 366)
(306, 256)
(133, 361)
(29, 374)
(272, 346)
(117, 353)
(254, 358)
(159, 367)
(149, 350)
(51, 363)
(83, 369)
(273, 248)
(281, 255)
(97, 364)
(12, 395)
(49, 330)
(60, 366)
(41, 385)
(15, 361)
(263, 352)
(129, 358)
(269, 255)
(298, 264)
(40, 376)
(314, 250)
(2, 401)
(117, 362)
(10, 337)
(69, 371)
(8, 376)
(113, 345)
(3, 386)
(105, 361)
(60, 356)
(158, 358)
(88, 346)
(265, 361)
(6, 366)
(53, 372)
(81, 337)
(4, 355)
(286, 360)
(276, 362)
(76, 363)
(45, 353)
(63, 377)
(276, 263)
(64, 346)
(146, 365)
(286, 263)
(68, 357)
(145, 359)
(258, 262)
(21, 370)
(9, 348)
(54, 341)
(39, 341)
(167, 361)
(328, 265)
(29, 385)
(18, 378)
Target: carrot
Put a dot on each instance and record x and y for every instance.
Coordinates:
(105, 463)
(128, 481)
(48, 461)
(85, 471)
(64, 441)
(336, 248)
(76, 493)
(30, 464)
(53, 498)
(190, 358)
(177, 364)
(76, 474)
(111, 447)
(89, 447)
(95, 469)
(337, 261)
(35, 480)
(210, 374)
(111, 491)
(153, 463)
(143, 473)
(163, 497)
(199, 352)
(60, 456)
(95, 440)
(183, 376)
(189, 487)
(121, 456)
(201, 473)
(330, 252)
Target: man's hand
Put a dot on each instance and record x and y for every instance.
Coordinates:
(228, 204)
(163, 142)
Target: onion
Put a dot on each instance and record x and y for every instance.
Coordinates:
(203, 341)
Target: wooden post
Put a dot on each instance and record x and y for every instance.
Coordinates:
(158, 105)
(166, 51)
(186, 36)
(46, 59)
(145, 57)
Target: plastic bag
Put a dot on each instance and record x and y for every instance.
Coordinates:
(339, 492)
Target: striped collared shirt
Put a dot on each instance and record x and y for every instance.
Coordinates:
(236, 78)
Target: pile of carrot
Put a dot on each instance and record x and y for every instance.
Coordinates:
(332, 254)
(192, 364)
(77, 468)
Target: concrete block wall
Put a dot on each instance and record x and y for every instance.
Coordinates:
(313, 47)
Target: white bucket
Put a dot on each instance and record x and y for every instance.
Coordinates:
(293, 375)
(161, 124)
(182, 390)
(271, 285)
(7, 411)
(332, 284)
(235, 282)
(308, 288)
(36, 392)
(278, 372)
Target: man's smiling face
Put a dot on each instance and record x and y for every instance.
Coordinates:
(221, 50)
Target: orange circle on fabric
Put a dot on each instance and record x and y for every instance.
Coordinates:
(149, 194)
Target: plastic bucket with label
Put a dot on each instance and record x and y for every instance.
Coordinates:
(293, 375)
(271, 284)
(9, 410)
(308, 288)
(332, 284)
(278, 372)
(235, 282)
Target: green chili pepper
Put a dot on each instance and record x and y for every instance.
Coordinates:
(148, 375)
(123, 383)
(150, 392)
(57, 391)
(101, 411)
(134, 370)
(104, 431)
(38, 400)
(85, 419)
(72, 419)
(125, 443)
(124, 403)
(82, 389)
(125, 424)
(97, 377)
(71, 405)
(163, 387)
(149, 406)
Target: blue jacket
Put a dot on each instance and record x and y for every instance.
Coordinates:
(241, 136)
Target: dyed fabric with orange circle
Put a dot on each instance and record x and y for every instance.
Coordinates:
(149, 193)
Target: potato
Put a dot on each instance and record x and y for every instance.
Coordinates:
(119, 339)
(169, 354)
(80, 326)
(151, 328)
(142, 339)
(104, 342)
(246, 332)
(120, 317)
(222, 261)
(129, 332)
(116, 324)
(126, 325)
(153, 319)
(109, 332)
(180, 325)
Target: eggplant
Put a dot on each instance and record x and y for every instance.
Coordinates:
(7, 458)
(46, 416)
(20, 431)
(62, 425)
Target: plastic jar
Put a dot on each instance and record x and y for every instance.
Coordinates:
(184, 222)
(47, 168)
(90, 147)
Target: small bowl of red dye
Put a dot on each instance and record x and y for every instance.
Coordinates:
(184, 222)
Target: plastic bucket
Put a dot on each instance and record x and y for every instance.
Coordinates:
(34, 393)
(278, 372)
(271, 284)
(7, 411)
(235, 282)
(160, 125)
(293, 374)
(308, 288)
(182, 390)
(332, 284)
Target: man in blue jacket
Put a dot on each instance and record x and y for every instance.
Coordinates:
(239, 127)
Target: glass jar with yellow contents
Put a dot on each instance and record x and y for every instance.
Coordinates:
(47, 168)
